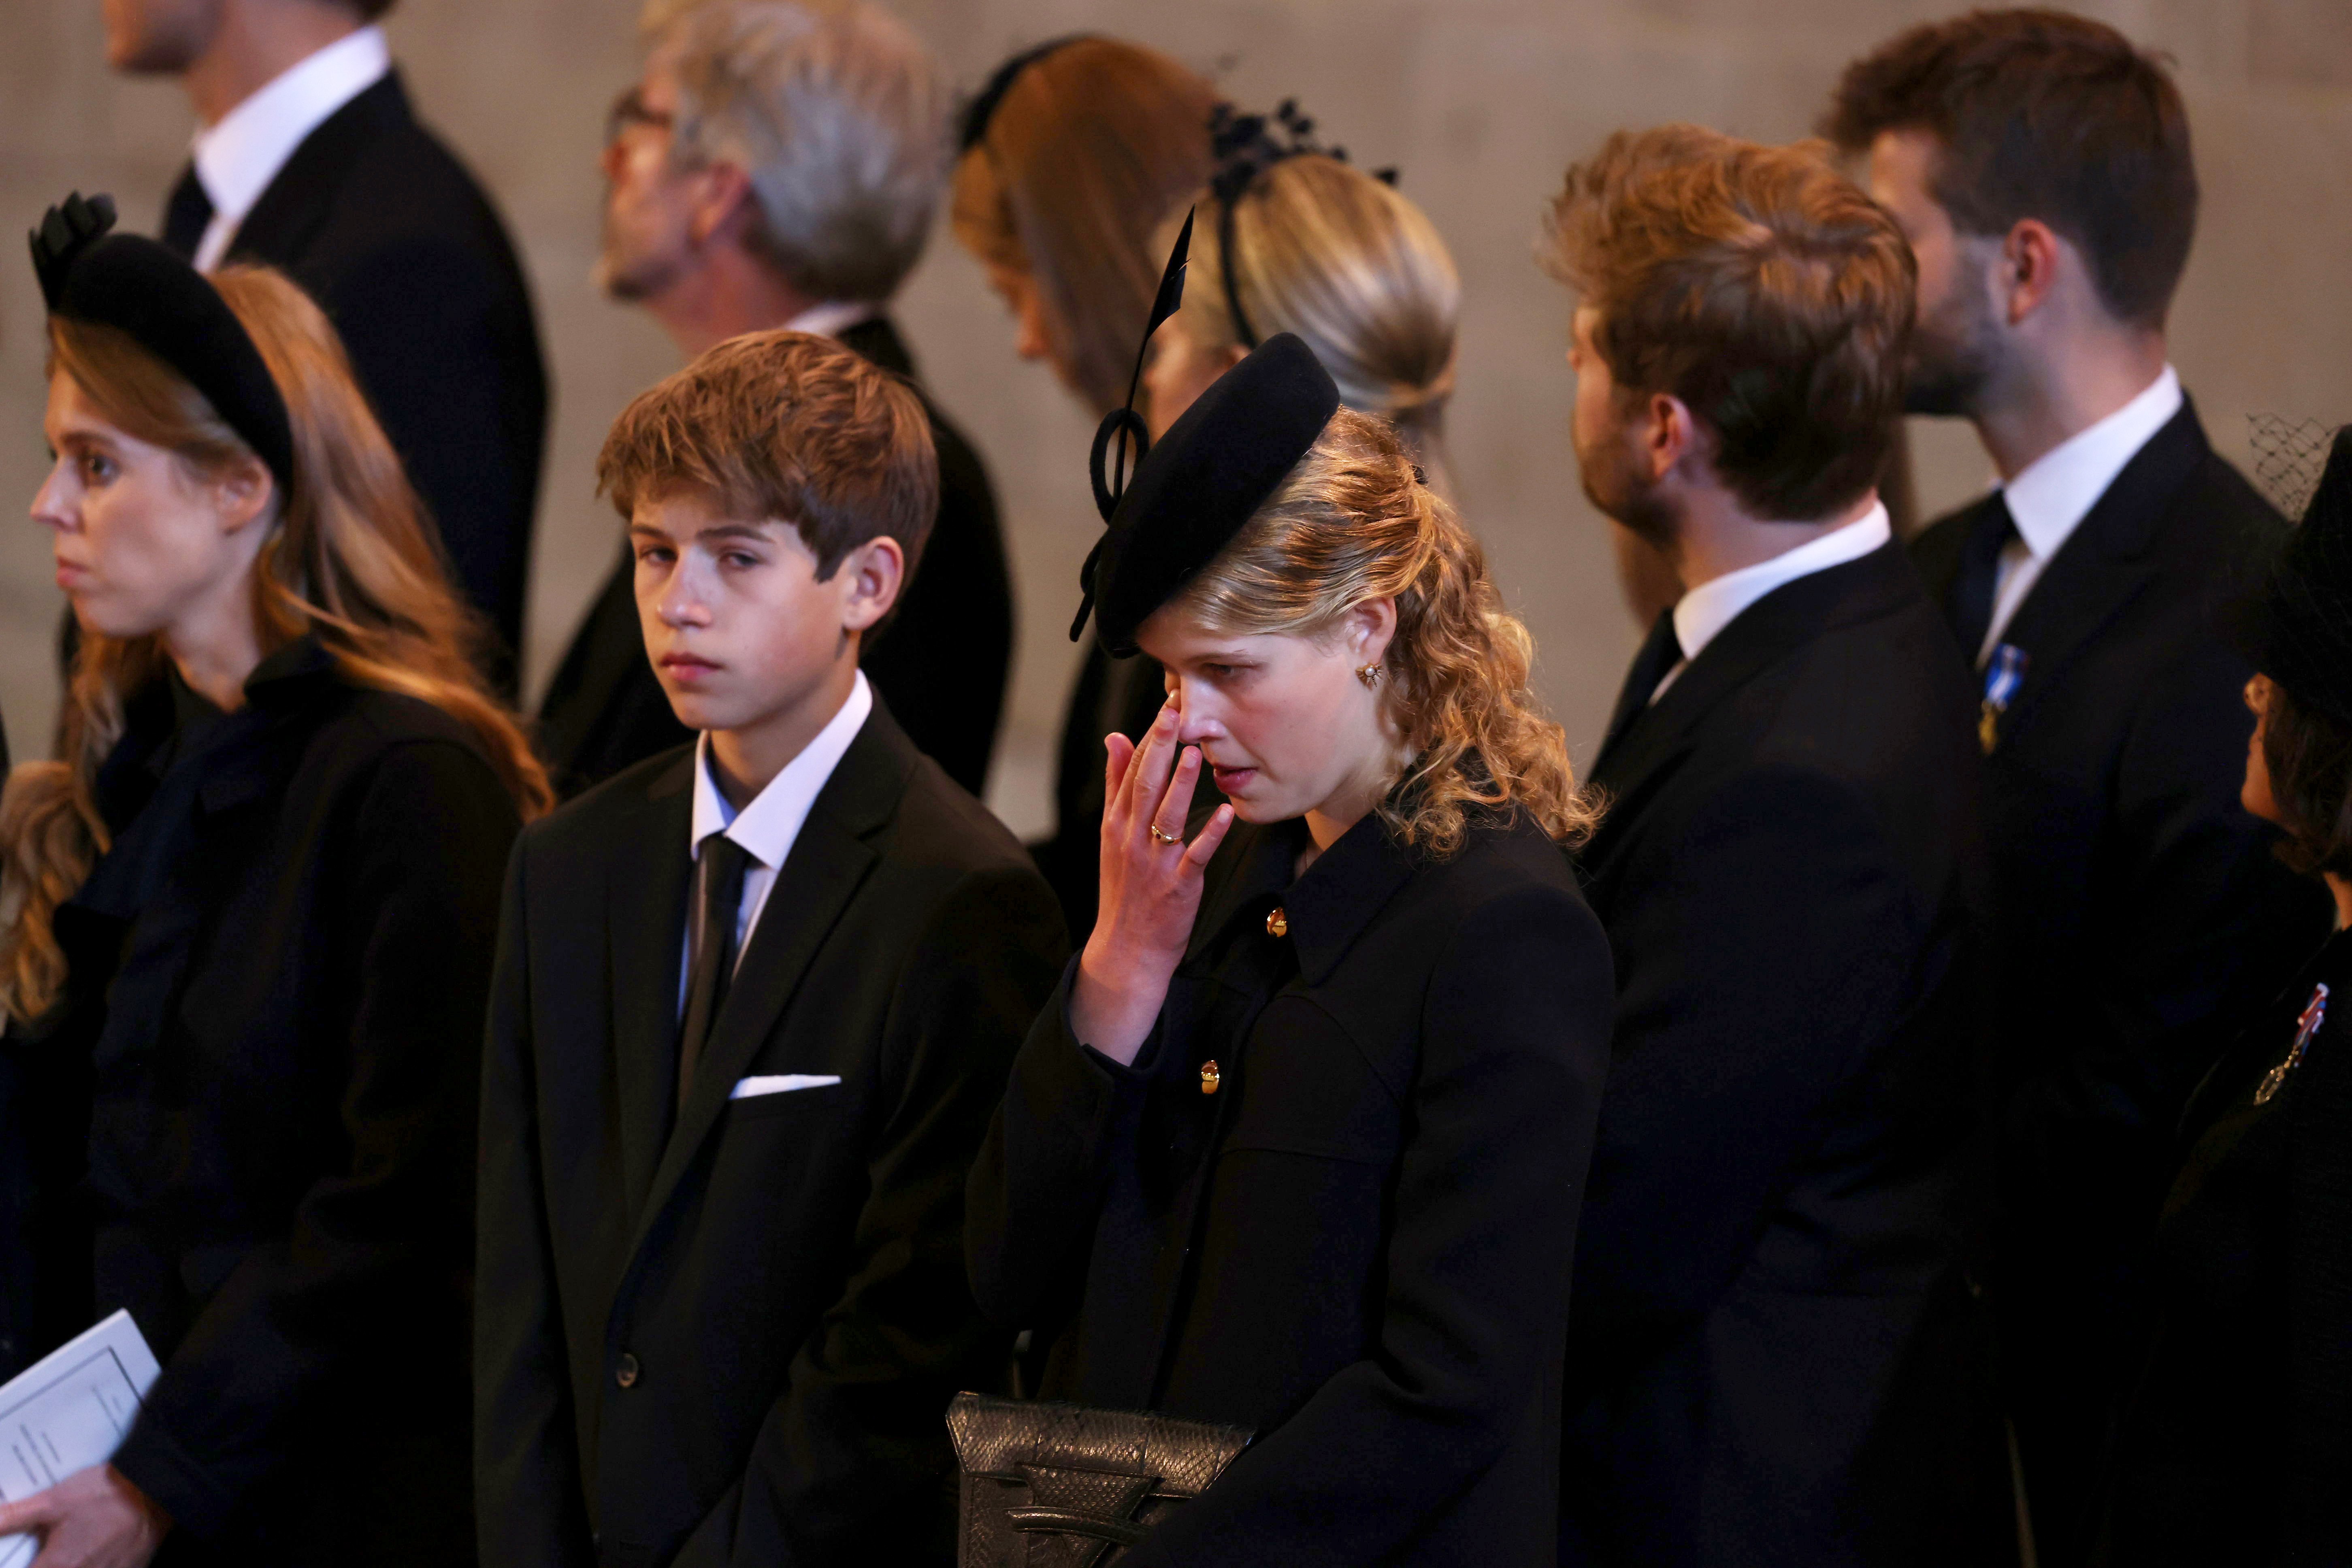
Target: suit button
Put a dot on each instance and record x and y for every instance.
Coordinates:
(625, 1374)
(1277, 924)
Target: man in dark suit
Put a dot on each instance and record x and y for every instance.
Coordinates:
(2040, 166)
(310, 161)
(779, 167)
(723, 1304)
(1771, 1352)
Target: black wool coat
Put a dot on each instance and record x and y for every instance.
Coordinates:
(942, 663)
(401, 247)
(1359, 1244)
(1772, 1359)
(278, 976)
(2141, 918)
(728, 1331)
(2236, 1443)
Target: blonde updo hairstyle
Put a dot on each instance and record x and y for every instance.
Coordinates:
(1350, 525)
(1351, 266)
(350, 559)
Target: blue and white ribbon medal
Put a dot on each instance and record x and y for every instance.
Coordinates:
(2004, 673)
(2315, 1013)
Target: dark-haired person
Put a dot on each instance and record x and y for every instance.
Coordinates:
(252, 906)
(2040, 165)
(777, 165)
(1073, 157)
(756, 1000)
(2237, 1436)
(1772, 1356)
(1297, 1146)
(309, 159)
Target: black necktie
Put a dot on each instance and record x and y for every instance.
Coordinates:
(1971, 604)
(1660, 653)
(187, 214)
(724, 861)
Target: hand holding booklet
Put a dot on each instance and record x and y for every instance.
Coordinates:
(69, 1411)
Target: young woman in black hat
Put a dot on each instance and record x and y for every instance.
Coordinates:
(2237, 1443)
(250, 912)
(1299, 1145)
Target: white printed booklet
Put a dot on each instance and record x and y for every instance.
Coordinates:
(69, 1411)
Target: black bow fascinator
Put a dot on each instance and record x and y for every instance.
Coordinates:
(1245, 146)
(1196, 488)
(2297, 628)
(141, 289)
(984, 103)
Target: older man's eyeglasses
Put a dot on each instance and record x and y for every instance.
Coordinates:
(630, 110)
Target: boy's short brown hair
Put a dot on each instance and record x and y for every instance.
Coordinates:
(2043, 115)
(1758, 286)
(785, 425)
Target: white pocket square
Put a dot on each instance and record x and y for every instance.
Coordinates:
(782, 1083)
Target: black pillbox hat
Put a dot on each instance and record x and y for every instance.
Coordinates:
(146, 291)
(2298, 628)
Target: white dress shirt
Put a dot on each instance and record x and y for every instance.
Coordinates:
(833, 318)
(767, 827)
(1701, 613)
(2052, 494)
(237, 157)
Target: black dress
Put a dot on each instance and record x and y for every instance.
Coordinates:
(256, 1100)
(2237, 1445)
(1359, 1244)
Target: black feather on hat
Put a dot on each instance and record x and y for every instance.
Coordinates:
(141, 289)
(2297, 629)
(1194, 490)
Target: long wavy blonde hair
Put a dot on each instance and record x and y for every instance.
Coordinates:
(350, 559)
(1350, 525)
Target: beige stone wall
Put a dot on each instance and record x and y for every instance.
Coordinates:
(1481, 102)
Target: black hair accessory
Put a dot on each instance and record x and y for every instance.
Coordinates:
(141, 289)
(2296, 627)
(1245, 146)
(984, 105)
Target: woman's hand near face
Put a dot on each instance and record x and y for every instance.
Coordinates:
(1150, 888)
(94, 1519)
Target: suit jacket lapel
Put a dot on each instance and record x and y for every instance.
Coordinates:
(2104, 563)
(278, 228)
(644, 925)
(828, 863)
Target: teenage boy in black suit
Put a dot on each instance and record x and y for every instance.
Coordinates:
(2040, 165)
(1770, 1345)
(723, 1304)
(778, 165)
(310, 160)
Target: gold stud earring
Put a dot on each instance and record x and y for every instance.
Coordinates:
(1370, 675)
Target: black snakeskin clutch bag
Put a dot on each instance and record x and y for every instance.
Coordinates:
(1060, 1486)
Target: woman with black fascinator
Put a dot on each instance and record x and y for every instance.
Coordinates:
(246, 921)
(2237, 1442)
(1291, 1163)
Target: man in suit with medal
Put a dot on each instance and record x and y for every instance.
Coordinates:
(756, 1001)
(310, 160)
(1772, 1356)
(2040, 166)
(778, 165)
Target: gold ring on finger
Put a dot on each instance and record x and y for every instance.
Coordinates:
(1160, 838)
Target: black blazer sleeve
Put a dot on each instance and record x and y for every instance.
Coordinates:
(526, 1448)
(1769, 950)
(861, 1429)
(416, 923)
(2316, 1526)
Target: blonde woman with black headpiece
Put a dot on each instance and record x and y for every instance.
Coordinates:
(1288, 237)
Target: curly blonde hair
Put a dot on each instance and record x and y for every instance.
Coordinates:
(350, 560)
(1354, 523)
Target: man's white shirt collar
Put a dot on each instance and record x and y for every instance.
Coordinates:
(2051, 495)
(237, 157)
(833, 318)
(767, 827)
(1701, 613)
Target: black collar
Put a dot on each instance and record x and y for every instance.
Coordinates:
(1327, 909)
(301, 196)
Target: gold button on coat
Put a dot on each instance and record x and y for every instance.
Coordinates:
(625, 1374)
(1210, 1078)
(1277, 924)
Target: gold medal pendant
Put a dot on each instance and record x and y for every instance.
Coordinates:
(1210, 1078)
(1988, 728)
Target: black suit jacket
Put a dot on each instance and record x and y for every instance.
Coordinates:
(941, 663)
(2141, 917)
(396, 240)
(1359, 1244)
(278, 976)
(1768, 1354)
(2237, 1443)
(733, 1339)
